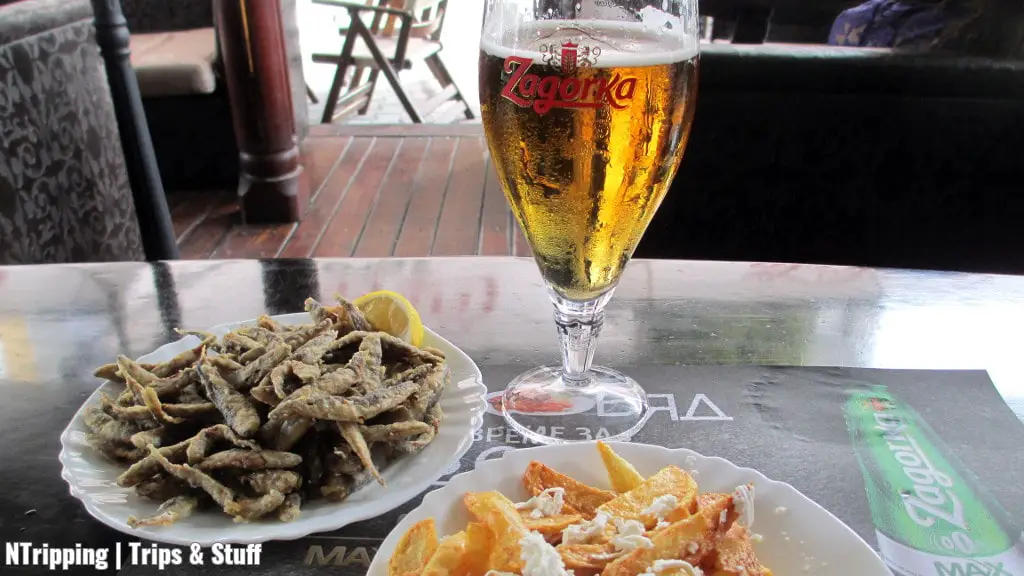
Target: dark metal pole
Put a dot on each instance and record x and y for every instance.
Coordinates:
(143, 175)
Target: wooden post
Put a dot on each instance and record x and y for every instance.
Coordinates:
(143, 174)
(272, 186)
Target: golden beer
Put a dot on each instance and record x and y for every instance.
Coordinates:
(586, 140)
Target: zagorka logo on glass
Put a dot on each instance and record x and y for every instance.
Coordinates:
(532, 84)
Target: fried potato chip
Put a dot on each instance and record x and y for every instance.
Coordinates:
(734, 555)
(620, 472)
(551, 527)
(690, 539)
(448, 557)
(585, 556)
(579, 498)
(508, 531)
(668, 481)
(508, 527)
(414, 550)
(480, 504)
(479, 544)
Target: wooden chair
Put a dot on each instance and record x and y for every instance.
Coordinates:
(399, 35)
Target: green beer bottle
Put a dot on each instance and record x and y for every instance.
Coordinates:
(930, 519)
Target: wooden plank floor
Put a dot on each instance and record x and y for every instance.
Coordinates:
(376, 191)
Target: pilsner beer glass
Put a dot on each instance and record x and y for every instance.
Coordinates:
(587, 106)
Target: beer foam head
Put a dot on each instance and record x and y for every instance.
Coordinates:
(621, 44)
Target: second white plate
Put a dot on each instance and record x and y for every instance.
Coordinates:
(91, 476)
(799, 536)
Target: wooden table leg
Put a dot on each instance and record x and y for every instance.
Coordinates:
(272, 186)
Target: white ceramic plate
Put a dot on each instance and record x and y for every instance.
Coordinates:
(801, 538)
(91, 475)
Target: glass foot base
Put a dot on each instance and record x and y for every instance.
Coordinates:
(546, 409)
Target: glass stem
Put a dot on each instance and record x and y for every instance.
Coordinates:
(579, 324)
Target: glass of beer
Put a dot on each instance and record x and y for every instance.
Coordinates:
(587, 106)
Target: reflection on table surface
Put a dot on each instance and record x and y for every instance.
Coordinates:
(57, 322)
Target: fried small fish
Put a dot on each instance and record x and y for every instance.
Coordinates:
(239, 413)
(207, 339)
(265, 394)
(262, 335)
(268, 323)
(172, 384)
(246, 509)
(236, 341)
(290, 432)
(224, 362)
(430, 392)
(253, 372)
(355, 318)
(304, 334)
(148, 466)
(202, 443)
(314, 349)
(192, 394)
(290, 509)
(291, 374)
(390, 433)
(130, 368)
(335, 487)
(107, 428)
(249, 460)
(185, 410)
(434, 351)
(150, 399)
(413, 374)
(221, 494)
(336, 383)
(161, 487)
(110, 371)
(319, 313)
(147, 438)
(263, 481)
(366, 364)
(252, 354)
(413, 445)
(183, 360)
(310, 402)
(351, 433)
(115, 450)
(168, 513)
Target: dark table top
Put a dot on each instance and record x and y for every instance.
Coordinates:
(58, 322)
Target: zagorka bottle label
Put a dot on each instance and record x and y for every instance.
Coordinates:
(930, 519)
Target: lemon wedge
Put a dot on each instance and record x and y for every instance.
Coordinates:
(392, 313)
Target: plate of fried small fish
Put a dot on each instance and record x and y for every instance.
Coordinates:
(270, 429)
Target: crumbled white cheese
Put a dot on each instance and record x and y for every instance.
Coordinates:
(662, 507)
(661, 524)
(756, 538)
(540, 558)
(547, 503)
(692, 548)
(723, 516)
(585, 531)
(663, 565)
(743, 501)
(499, 573)
(630, 536)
